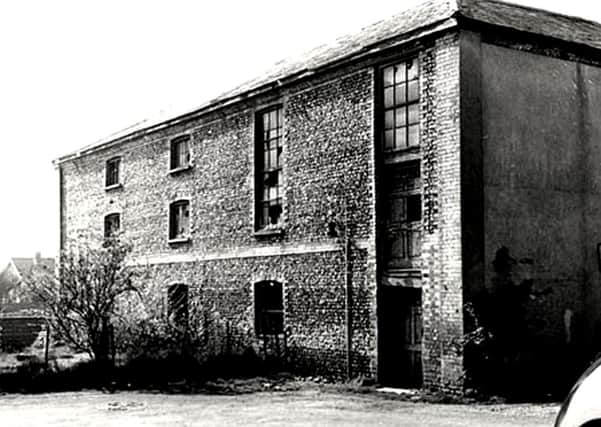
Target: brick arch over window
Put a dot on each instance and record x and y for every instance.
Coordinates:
(269, 307)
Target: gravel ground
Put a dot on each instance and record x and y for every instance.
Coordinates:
(296, 408)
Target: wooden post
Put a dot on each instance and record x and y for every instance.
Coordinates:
(47, 345)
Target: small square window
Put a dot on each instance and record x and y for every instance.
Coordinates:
(112, 172)
(112, 225)
(180, 152)
(179, 220)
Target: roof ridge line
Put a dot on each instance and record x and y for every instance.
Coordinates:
(464, 4)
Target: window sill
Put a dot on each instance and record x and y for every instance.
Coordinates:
(179, 240)
(267, 232)
(180, 169)
(113, 187)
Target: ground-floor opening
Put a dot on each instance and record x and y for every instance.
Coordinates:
(400, 336)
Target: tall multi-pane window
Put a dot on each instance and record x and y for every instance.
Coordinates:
(112, 225)
(269, 168)
(401, 105)
(179, 220)
(112, 172)
(180, 152)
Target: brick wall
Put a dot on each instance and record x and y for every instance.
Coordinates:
(17, 333)
(441, 250)
(329, 176)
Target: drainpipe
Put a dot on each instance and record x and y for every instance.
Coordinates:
(347, 293)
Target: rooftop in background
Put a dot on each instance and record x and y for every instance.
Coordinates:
(430, 15)
(26, 265)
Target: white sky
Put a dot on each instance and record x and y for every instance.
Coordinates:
(72, 72)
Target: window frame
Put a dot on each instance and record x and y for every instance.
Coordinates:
(260, 313)
(407, 106)
(262, 151)
(174, 238)
(107, 218)
(108, 168)
(180, 315)
(175, 166)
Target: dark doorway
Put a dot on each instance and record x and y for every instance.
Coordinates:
(400, 336)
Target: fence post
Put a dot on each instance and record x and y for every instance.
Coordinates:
(47, 345)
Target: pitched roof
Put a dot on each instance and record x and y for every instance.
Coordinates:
(26, 265)
(434, 14)
(538, 21)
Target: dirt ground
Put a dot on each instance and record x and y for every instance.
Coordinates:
(296, 408)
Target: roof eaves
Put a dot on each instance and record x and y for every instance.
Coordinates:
(539, 22)
(464, 7)
(210, 106)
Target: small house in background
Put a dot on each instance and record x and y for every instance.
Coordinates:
(14, 299)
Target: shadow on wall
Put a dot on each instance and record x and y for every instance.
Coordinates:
(508, 349)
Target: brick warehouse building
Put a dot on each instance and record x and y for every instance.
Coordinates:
(354, 201)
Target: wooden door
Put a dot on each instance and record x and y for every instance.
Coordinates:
(400, 336)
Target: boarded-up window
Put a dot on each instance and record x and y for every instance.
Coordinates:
(269, 308)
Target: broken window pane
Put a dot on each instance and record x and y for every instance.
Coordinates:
(400, 73)
(275, 211)
(412, 70)
(271, 178)
(269, 173)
